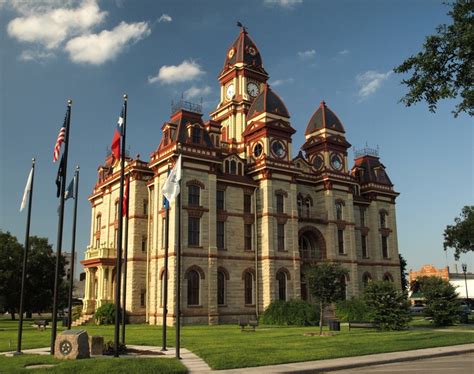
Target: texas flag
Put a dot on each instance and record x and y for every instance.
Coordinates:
(117, 136)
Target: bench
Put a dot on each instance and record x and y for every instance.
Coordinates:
(361, 325)
(243, 323)
(41, 324)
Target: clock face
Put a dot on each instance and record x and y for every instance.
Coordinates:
(318, 162)
(252, 89)
(65, 347)
(336, 161)
(278, 148)
(230, 92)
(231, 52)
(252, 51)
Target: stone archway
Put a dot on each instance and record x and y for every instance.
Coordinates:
(312, 248)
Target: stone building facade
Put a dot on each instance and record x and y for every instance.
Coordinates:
(254, 218)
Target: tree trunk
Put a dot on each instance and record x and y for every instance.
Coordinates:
(321, 310)
(12, 315)
(28, 315)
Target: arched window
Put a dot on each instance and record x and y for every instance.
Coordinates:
(98, 222)
(220, 288)
(196, 135)
(248, 284)
(300, 206)
(308, 207)
(233, 167)
(383, 219)
(387, 277)
(281, 280)
(366, 278)
(339, 211)
(193, 287)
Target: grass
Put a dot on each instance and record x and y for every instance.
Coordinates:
(98, 365)
(225, 347)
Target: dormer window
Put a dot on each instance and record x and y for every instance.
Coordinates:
(196, 135)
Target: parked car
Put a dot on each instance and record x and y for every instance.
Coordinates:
(464, 308)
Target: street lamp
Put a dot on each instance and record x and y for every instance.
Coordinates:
(464, 270)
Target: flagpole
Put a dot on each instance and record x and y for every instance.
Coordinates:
(178, 270)
(25, 258)
(118, 273)
(60, 230)
(165, 272)
(73, 249)
(125, 257)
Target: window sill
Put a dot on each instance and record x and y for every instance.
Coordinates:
(250, 305)
(342, 254)
(222, 306)
(248, 250)
(195, 246)
(222, 249)
(195, 306)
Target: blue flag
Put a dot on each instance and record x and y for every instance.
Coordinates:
(69, 193)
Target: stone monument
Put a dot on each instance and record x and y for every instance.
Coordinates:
(72, 344)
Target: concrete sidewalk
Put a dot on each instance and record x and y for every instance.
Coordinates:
(352, 362)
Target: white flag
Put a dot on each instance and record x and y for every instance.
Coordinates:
(171, 187)
(27, 189)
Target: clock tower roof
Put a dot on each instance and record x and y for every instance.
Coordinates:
(324, 118)
(267, 102)
(243, 51)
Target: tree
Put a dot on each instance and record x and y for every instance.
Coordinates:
(441, 300)
(403, 273)
(389, 308)
(327, 284)
(444, 69)
(460, 236)
(39, 278)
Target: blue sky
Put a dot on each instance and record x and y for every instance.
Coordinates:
(340, 51)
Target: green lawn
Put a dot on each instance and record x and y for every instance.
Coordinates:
(225, 347)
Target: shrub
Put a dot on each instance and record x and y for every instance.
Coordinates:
(441, 301)
(105, 314)
(389, 308)
(76, 312)
(293, 312)
(353, 310)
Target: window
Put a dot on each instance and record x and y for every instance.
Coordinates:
(362, 217)
(193, 231)
(363, 241)
(339, 211)
(163, 232)
(248, 280)
(116, 210)
(383, 219)
(144, 244)
(220, 200)
(385, 247)
(220, 288)
(307, 207)
(247, 203)
(281, 236)
(300, 206)
(97, 222)
(281, 280)
(193, 195)
(248, 237)
(196, 135)
(145, 207)
(115, 238)
(142, 298)
(387, 277)
(366, 279)
(220, 234)
(97, 243)
(193, 287)
(233, 167)
(340, 241)
(280, 203)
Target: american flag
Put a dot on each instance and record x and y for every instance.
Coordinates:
(59, 141)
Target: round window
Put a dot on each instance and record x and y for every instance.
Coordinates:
(336, 161)
(278, 148)
(318, 162)
(257, 150)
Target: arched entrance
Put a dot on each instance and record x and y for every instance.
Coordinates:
(312, 248)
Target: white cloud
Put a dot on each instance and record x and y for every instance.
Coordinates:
(280, 82)
(370, 81)
(343, 52)
(186, 71)
(95, 49)
(35, 55)
(165, 18)
(194, 91)
(48, 26)
(307, 55)
(283, 3)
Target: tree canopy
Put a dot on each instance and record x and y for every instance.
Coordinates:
(444, 69)
(39, 275)
(460, 236)
(403, 272)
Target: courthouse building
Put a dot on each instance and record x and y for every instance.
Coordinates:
(254, 217)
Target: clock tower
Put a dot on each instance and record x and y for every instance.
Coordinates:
(242, 79)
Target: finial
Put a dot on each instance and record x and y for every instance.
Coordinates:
(242, 27)
(33, 160)
(77, 167)
(323, 103)
(69, 102)
(125, 97)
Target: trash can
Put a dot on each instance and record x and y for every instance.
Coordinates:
(334, 325)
